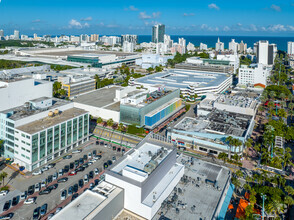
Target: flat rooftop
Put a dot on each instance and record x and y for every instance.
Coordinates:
(140, 157)
(195, 196)
(47, 122)
(89, 203)
(177, 78)
(236, 100)
(23, 111)
(217, 121)
(101, 98)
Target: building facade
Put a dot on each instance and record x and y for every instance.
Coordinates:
(290, 48)
(253, 74)
(265, 52)
(158, 32)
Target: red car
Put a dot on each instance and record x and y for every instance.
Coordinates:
(72, 173)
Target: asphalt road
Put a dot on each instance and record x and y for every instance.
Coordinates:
(53, 199)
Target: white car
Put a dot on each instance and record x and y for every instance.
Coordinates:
(76, 151)
(37, 187)
(3, 193)
(90, 155)
(37, 172)
(55, 175)
(105, 145)
(23, 196)
(43, 183)
(58, 210)
(96, 171)
(45, 168)
(86, 178)
(29, 201)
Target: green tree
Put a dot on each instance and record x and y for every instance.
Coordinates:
(222, 156)
(282, 113)
(239, 173)
(275, 207)
(289, 190)
(98, 81)
(3, 175)
(99, 120)
(110, 122)
(187, 107)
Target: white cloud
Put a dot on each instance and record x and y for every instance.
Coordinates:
(131, 8)
(277, 28)
(188, 14)
(226, 28)
(78, 25)
(253, 27)
(275, 7)
(213, 6)
(87, 19)
(144, 15)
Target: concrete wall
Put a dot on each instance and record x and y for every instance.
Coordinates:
(18, 92)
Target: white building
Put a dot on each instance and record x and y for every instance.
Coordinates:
(14, 93)
(168, 41)
(152, 60)
(182, 43)
(1, 33)
(16, 35)
(128, 47)
(203, 46)
(265, 52)
(242, 47)
(148, 174)
(290, 50)
(253, 74)
(219, 46)
(233, 46)
(232, 58)
(190, 47)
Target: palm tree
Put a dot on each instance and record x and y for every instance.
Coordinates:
(291, 106)
(282, 96)
(97, 79)
(263, 99)
(288, 200)
(275, 207)
(230, 142)
(289, 190)
(120, 126)
(271, 104)
(272, 94)
(282, 113)
(222, 156)
(3, 175)
(110, 122)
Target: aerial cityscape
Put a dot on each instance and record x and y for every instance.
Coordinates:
(132, 110)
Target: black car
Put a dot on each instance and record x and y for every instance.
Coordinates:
(62, 180)
(114, 148)
(81, 183)
(36, 213)
(54, 186)
(67, 157)
(71, 166)
(85, 157)
(123, 150)
(8, 216)
(91, 175)
(96, 182)
(6, 205)
(99, 157)
(15, 200)
(105, 165)
(74, 196)
(45, 191)
(109, 162)
(97, 142)
(94, 152)
(50, 179)
(43, 209)
(81, 161)
(66, 169)
(118, 149)
(101, 143)
(80, 169)
(75, 188)
(31, 190)
(77, 162)
(51, 165)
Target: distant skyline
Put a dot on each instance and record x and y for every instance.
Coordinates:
(187, 17)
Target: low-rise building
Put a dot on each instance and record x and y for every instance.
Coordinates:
(148, 174)
(254, 74)
(41, 130)
(152, 60)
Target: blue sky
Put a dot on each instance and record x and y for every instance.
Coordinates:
(185, 17)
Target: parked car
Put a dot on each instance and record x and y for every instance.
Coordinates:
(123, 150)
(74, 196)
(91, 175)
(86, 178)
(96, 182)
(75, 188)
(72, 173)
(58, 210)
(89, 155)
(60, 172)
(77, 163)
(67, 157)
(45, 168)
(36, 213)
(62, 180)
(80, 169)
(30, 200)
(66, 169)
(94, 152)
(37, 172)
(118, 149)
(63, 195)
(85, 157)
(3, 192)
(15, 200)
(92, 185)
(31, 190)
(55, 176)
(54, 186)
(96, 171)
(81, 161)
(24, 195)
(37, 187)
(85, 165)
(71, 165)
(109, 162)
(43, 209)
(7, 216)
(113, 159)
(43, 183)
(81, 183)
(51, 165)
(114, 148)
(45, 191)
(50, 216)
(76, 151)
(49, 179)
(105, 165)
(7, 205)
(70, 190)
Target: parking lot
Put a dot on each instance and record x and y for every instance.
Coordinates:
(20, 183)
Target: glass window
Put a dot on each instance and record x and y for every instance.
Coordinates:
(35, 139)
(49, 140)
(75, 129)
(80, 127)
(56, 138)
(62, 139)
(42, 144)
(69, 130)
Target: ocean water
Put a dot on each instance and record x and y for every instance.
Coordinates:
(211, 40)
